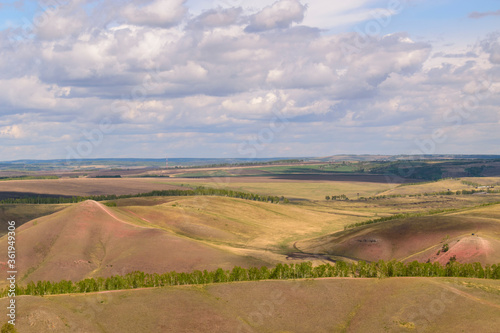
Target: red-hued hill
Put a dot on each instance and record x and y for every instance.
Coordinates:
(468, 236)
(90, 239)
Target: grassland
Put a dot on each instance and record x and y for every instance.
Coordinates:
(441, 185)
(160, 234)
(470, 234)
(89, 239)
(292, 188)
(324, 305)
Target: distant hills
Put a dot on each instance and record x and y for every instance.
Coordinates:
(99, 163)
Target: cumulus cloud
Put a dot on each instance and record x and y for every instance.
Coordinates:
(29, 93)
(61, 21)
(166, 77)
(217, 17)
(159, 13)
(281, 14)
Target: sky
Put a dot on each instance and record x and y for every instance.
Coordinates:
(233, 78)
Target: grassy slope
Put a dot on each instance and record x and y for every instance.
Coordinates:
(323, 305)
(163, 234)
(442, 185)
(89, 239)
(419, 238)
(240, 223)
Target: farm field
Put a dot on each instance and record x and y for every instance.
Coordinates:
(83, 186)
(294, 187)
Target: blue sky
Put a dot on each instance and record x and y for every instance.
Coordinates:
(222, 78)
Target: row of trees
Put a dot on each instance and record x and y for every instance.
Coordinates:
(27, 177)
(341, 197)
(190, 192)
(279, 272)
(447, 192)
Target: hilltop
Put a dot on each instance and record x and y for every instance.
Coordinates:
(89, 239)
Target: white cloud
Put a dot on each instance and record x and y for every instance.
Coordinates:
(30, 93)
(12, 132)
(158, 72)
(492, 46)
(159, 13)
(281, 14)
(218, 17)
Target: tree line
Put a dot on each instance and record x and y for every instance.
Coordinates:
(341, 197)
(24, 177)
(304, 270)
(416, 195)
(190, 192)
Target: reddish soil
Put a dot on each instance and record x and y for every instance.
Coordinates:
(468, 249)
(89, 239)
(415, 239)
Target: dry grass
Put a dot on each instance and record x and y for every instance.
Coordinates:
(439, 186)
(322, 305)
(419, 238)
(308, 190)
(240, 223)
(89, 239)
(486, 181)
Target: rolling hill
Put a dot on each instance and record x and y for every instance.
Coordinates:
(89, 239)
(470, 235)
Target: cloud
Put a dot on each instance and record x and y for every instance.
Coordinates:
(166, 77)
(491, 45)
(281, 15)
(29, 93)
(477, 15)
(159, 13)
(61, 21)
(218, 17)
(11, 132)
(469, 54)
